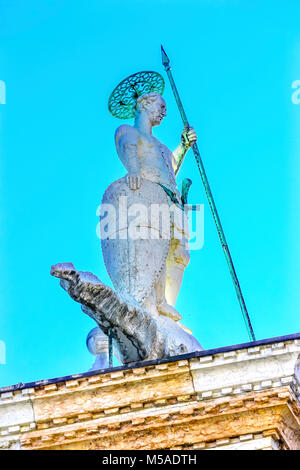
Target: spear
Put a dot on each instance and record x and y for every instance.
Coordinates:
(212, 205)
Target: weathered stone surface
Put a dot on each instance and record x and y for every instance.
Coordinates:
(16, 416)
(137, 334)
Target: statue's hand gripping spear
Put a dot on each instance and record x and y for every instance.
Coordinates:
(194, 146)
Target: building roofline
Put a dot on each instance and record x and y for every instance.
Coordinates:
(134, 365)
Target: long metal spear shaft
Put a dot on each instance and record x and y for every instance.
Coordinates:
(166, 64)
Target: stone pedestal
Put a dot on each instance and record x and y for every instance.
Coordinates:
(238, 397)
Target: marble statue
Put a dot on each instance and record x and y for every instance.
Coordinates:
(150, 166)
(144, 239)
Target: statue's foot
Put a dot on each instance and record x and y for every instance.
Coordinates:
(169, 311)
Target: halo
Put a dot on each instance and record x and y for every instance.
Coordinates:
(124, 96)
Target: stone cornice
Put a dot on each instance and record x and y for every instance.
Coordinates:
(196, 354)
(187, 402)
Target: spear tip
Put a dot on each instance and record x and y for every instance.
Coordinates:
(165, 58)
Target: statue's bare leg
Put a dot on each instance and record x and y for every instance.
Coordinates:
(169, 281)
(162, 305)
(177, 261)
(150, 304)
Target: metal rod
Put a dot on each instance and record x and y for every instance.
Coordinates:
(212, 205)
(110, 348)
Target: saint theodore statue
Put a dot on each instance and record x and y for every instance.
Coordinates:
(146, 158)
(146, 266)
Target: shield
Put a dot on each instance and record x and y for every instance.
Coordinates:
(135, 236)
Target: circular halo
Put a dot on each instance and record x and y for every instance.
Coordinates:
(124, 96)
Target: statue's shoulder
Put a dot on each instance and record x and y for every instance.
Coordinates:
(126, 133)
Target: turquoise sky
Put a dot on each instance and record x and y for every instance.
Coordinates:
(234, 63)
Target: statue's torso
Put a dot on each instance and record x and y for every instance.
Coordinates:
(154, 158)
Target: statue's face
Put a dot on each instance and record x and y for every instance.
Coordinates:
(157, 110)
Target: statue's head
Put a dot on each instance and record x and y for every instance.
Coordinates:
(153, 105)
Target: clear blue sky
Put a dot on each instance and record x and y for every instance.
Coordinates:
(234, 63)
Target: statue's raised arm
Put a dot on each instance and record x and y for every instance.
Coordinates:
(188, 137)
